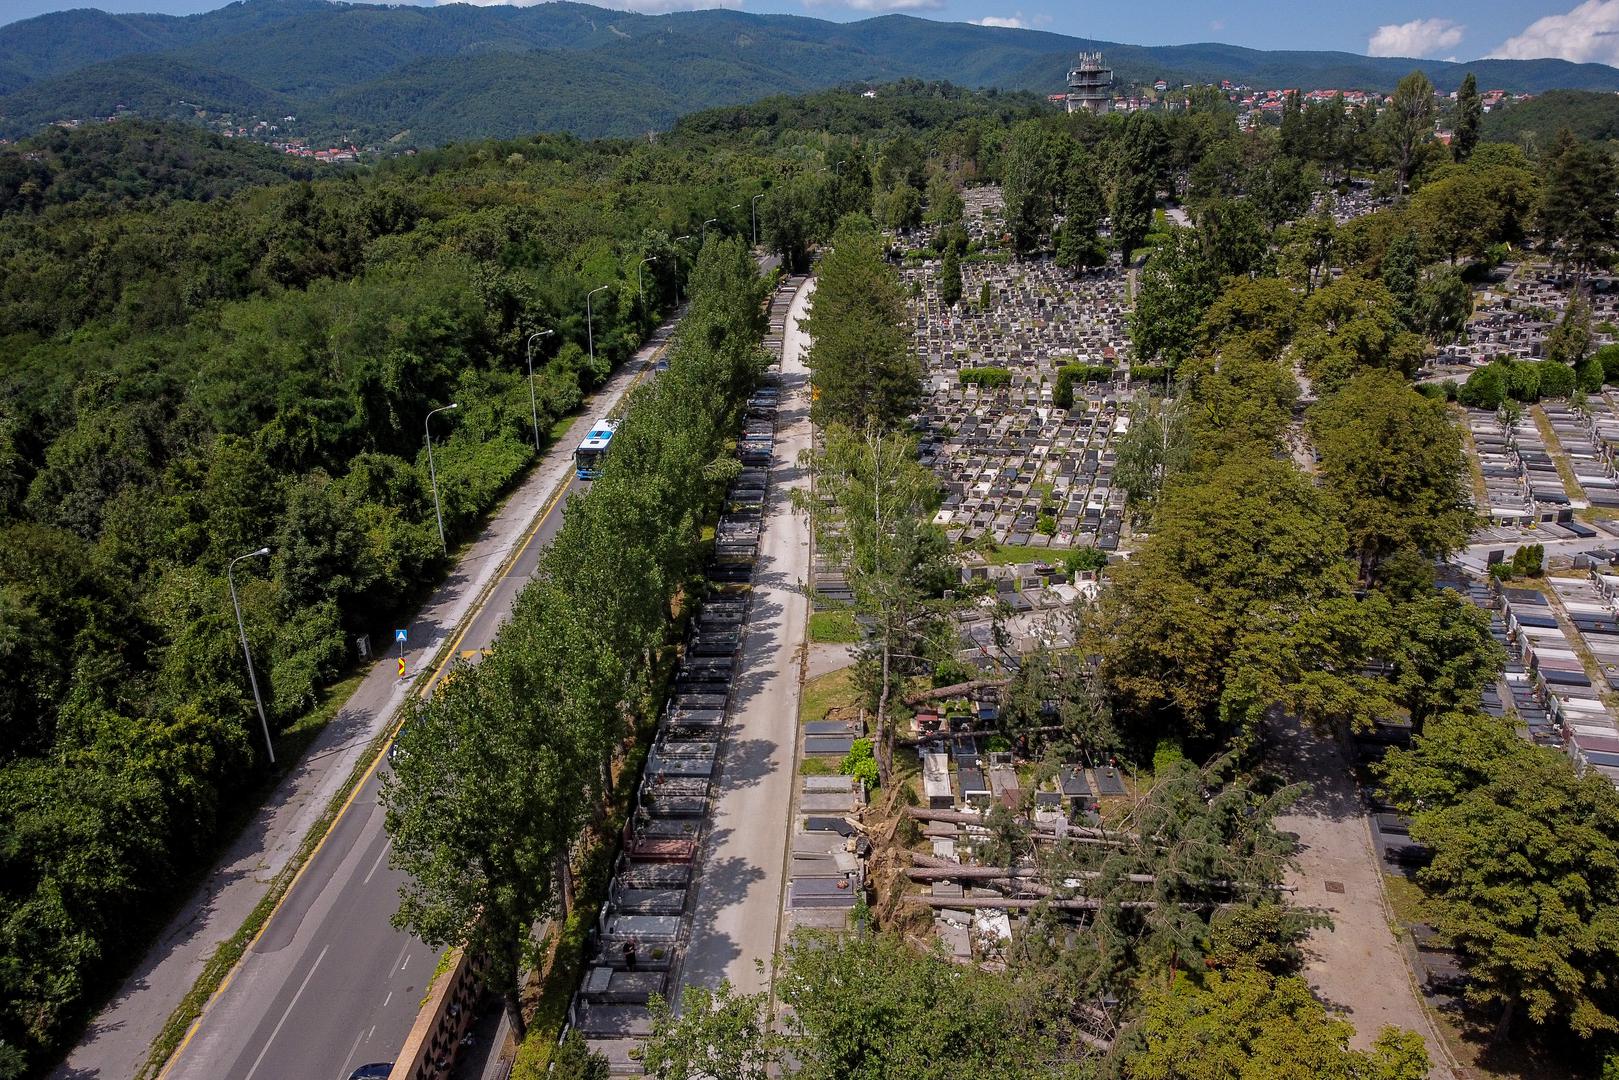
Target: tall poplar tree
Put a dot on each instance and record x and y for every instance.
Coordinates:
(1469, 117)
(861, 364)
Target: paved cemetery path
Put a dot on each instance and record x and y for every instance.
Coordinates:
(741, 868)
(1356, 967)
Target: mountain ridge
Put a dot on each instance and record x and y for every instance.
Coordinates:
(347, 67)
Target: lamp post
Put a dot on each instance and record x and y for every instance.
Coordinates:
(706, 224)
(247, 654)
(533, 406)
(432, 472)
(755, 209)
(639, 282)
(590, 323)
(837, 170)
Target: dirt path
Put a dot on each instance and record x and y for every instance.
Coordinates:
(1357, 967)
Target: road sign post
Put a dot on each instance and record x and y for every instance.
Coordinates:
(399, 639)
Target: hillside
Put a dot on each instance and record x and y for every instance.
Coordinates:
(1588, 115)
(431, 74)
(135, 163)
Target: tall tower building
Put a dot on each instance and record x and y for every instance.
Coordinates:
(1090, 85)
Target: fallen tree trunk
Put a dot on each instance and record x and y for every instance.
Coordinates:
(973, 902)
(961, 817)
(933, 868)
(953, 690)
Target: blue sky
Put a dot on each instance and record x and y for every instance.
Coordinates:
(1585, 30)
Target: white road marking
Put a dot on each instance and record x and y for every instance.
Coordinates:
(403, 963)
(310, 974)
(380, 856)
(403, 949)
(387, 999)
(349, 1057)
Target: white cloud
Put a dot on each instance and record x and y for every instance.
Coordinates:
(1010, 22)
(650, 7)
(1588, 33)
(1419, 37)
(1216, 25)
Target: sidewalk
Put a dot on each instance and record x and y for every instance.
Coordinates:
(116, 1043)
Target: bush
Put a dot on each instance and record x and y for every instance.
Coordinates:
(1070, 374)
(1609, 356)
(1486, 388)
(1085, 558)
(1047, 525)
(988, 377)
(1529, 560)
(1555, 380)
(861, 763)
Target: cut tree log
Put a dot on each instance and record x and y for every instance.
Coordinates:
(953, 690)
(933, 868)
(962, 817)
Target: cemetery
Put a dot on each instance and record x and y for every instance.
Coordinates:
(1022, 464)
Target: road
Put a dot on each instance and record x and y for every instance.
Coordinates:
(742, 864)
(330, 984)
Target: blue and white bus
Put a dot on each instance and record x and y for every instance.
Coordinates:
(587, 459)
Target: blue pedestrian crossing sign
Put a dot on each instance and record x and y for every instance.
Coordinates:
(399, 636)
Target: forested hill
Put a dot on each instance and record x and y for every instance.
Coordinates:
(1588, 115)
(425, 76)
(134, 164)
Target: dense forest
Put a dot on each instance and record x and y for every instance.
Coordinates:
(136, 164)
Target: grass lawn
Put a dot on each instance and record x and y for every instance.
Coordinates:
(833, 628)
(829, 691)
(1006, 554)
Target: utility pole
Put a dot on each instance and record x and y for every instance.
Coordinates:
(247, 654)
(432, 472)
(533, 405)
(590, 322)
(755, 209)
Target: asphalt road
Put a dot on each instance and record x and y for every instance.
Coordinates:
(330, 984)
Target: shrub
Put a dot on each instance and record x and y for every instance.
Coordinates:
(861, 763)
(987, 377)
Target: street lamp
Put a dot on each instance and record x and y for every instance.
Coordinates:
(427, 426)
(247, 654)
(755, 209)
(706, 224)
(639, 283)
(533, 406)
(837, 170)
(590, 326)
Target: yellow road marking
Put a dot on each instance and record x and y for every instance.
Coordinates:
(376, 762)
